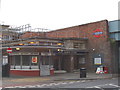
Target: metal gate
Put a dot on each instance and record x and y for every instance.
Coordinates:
(44, 70)
(45, 66)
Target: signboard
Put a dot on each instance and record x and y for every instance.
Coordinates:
(34, 59)
(24, 53)
(9, 50)
(47, 54)
(97, 61)
(5, 60)
(98, 33)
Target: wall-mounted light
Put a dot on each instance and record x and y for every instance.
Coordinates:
(31, 42)
(58, 50)
(93, 49)
(17, 48)
(21, 44)
(59, 43)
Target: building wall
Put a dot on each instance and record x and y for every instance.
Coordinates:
(100, 45)
(114, 29)
(32, 34)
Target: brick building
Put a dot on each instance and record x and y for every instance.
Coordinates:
(72, 48)
(98, 42)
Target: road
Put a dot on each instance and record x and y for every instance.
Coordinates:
(109, 84)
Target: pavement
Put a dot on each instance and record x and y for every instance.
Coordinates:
(76, 76)
(20, 80)
(60, 76)
(14, 81)
(27, 82)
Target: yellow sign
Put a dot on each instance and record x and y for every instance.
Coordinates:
(34, 59)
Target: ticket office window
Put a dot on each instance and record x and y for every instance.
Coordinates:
(17, 60)
(24, 62)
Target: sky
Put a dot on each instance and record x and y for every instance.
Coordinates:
(56, 14)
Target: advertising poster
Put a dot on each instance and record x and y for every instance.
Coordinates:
(34, 59)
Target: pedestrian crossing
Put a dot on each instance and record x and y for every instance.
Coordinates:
(47, 85)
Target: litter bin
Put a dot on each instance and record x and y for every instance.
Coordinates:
(82, 72)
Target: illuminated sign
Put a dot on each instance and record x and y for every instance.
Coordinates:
(98, 33)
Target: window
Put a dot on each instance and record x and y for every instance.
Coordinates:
(25, 60)
(82, 60)
(79, 45)
(17, 60)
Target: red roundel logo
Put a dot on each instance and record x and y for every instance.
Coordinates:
(98, 33)
(9, 50)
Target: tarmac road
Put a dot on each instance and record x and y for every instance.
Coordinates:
(61, 81)
(103, 84)
(98, 84)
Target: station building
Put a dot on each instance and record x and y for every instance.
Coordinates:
(83, 46)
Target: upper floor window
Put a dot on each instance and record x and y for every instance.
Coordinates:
(79, 45)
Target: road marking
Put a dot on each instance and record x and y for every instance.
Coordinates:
(83, 81)
(52, 84)
(114, 85)
(45, 85)
(64, 83)
(99, 86)
(17, 86)
(77, 81)
(9, 87)
(96, 87)
(72, 82)
(38, 85)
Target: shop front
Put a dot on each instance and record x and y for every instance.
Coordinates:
(25, 64)
(30, 64)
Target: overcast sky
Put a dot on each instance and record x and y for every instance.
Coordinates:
(56, 14)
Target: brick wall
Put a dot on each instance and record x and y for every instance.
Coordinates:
(32, 34)
(100, 44)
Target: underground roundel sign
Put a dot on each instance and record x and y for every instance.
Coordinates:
(9, 50)
(98, 33)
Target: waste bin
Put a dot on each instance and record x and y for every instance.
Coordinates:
(82, 72)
